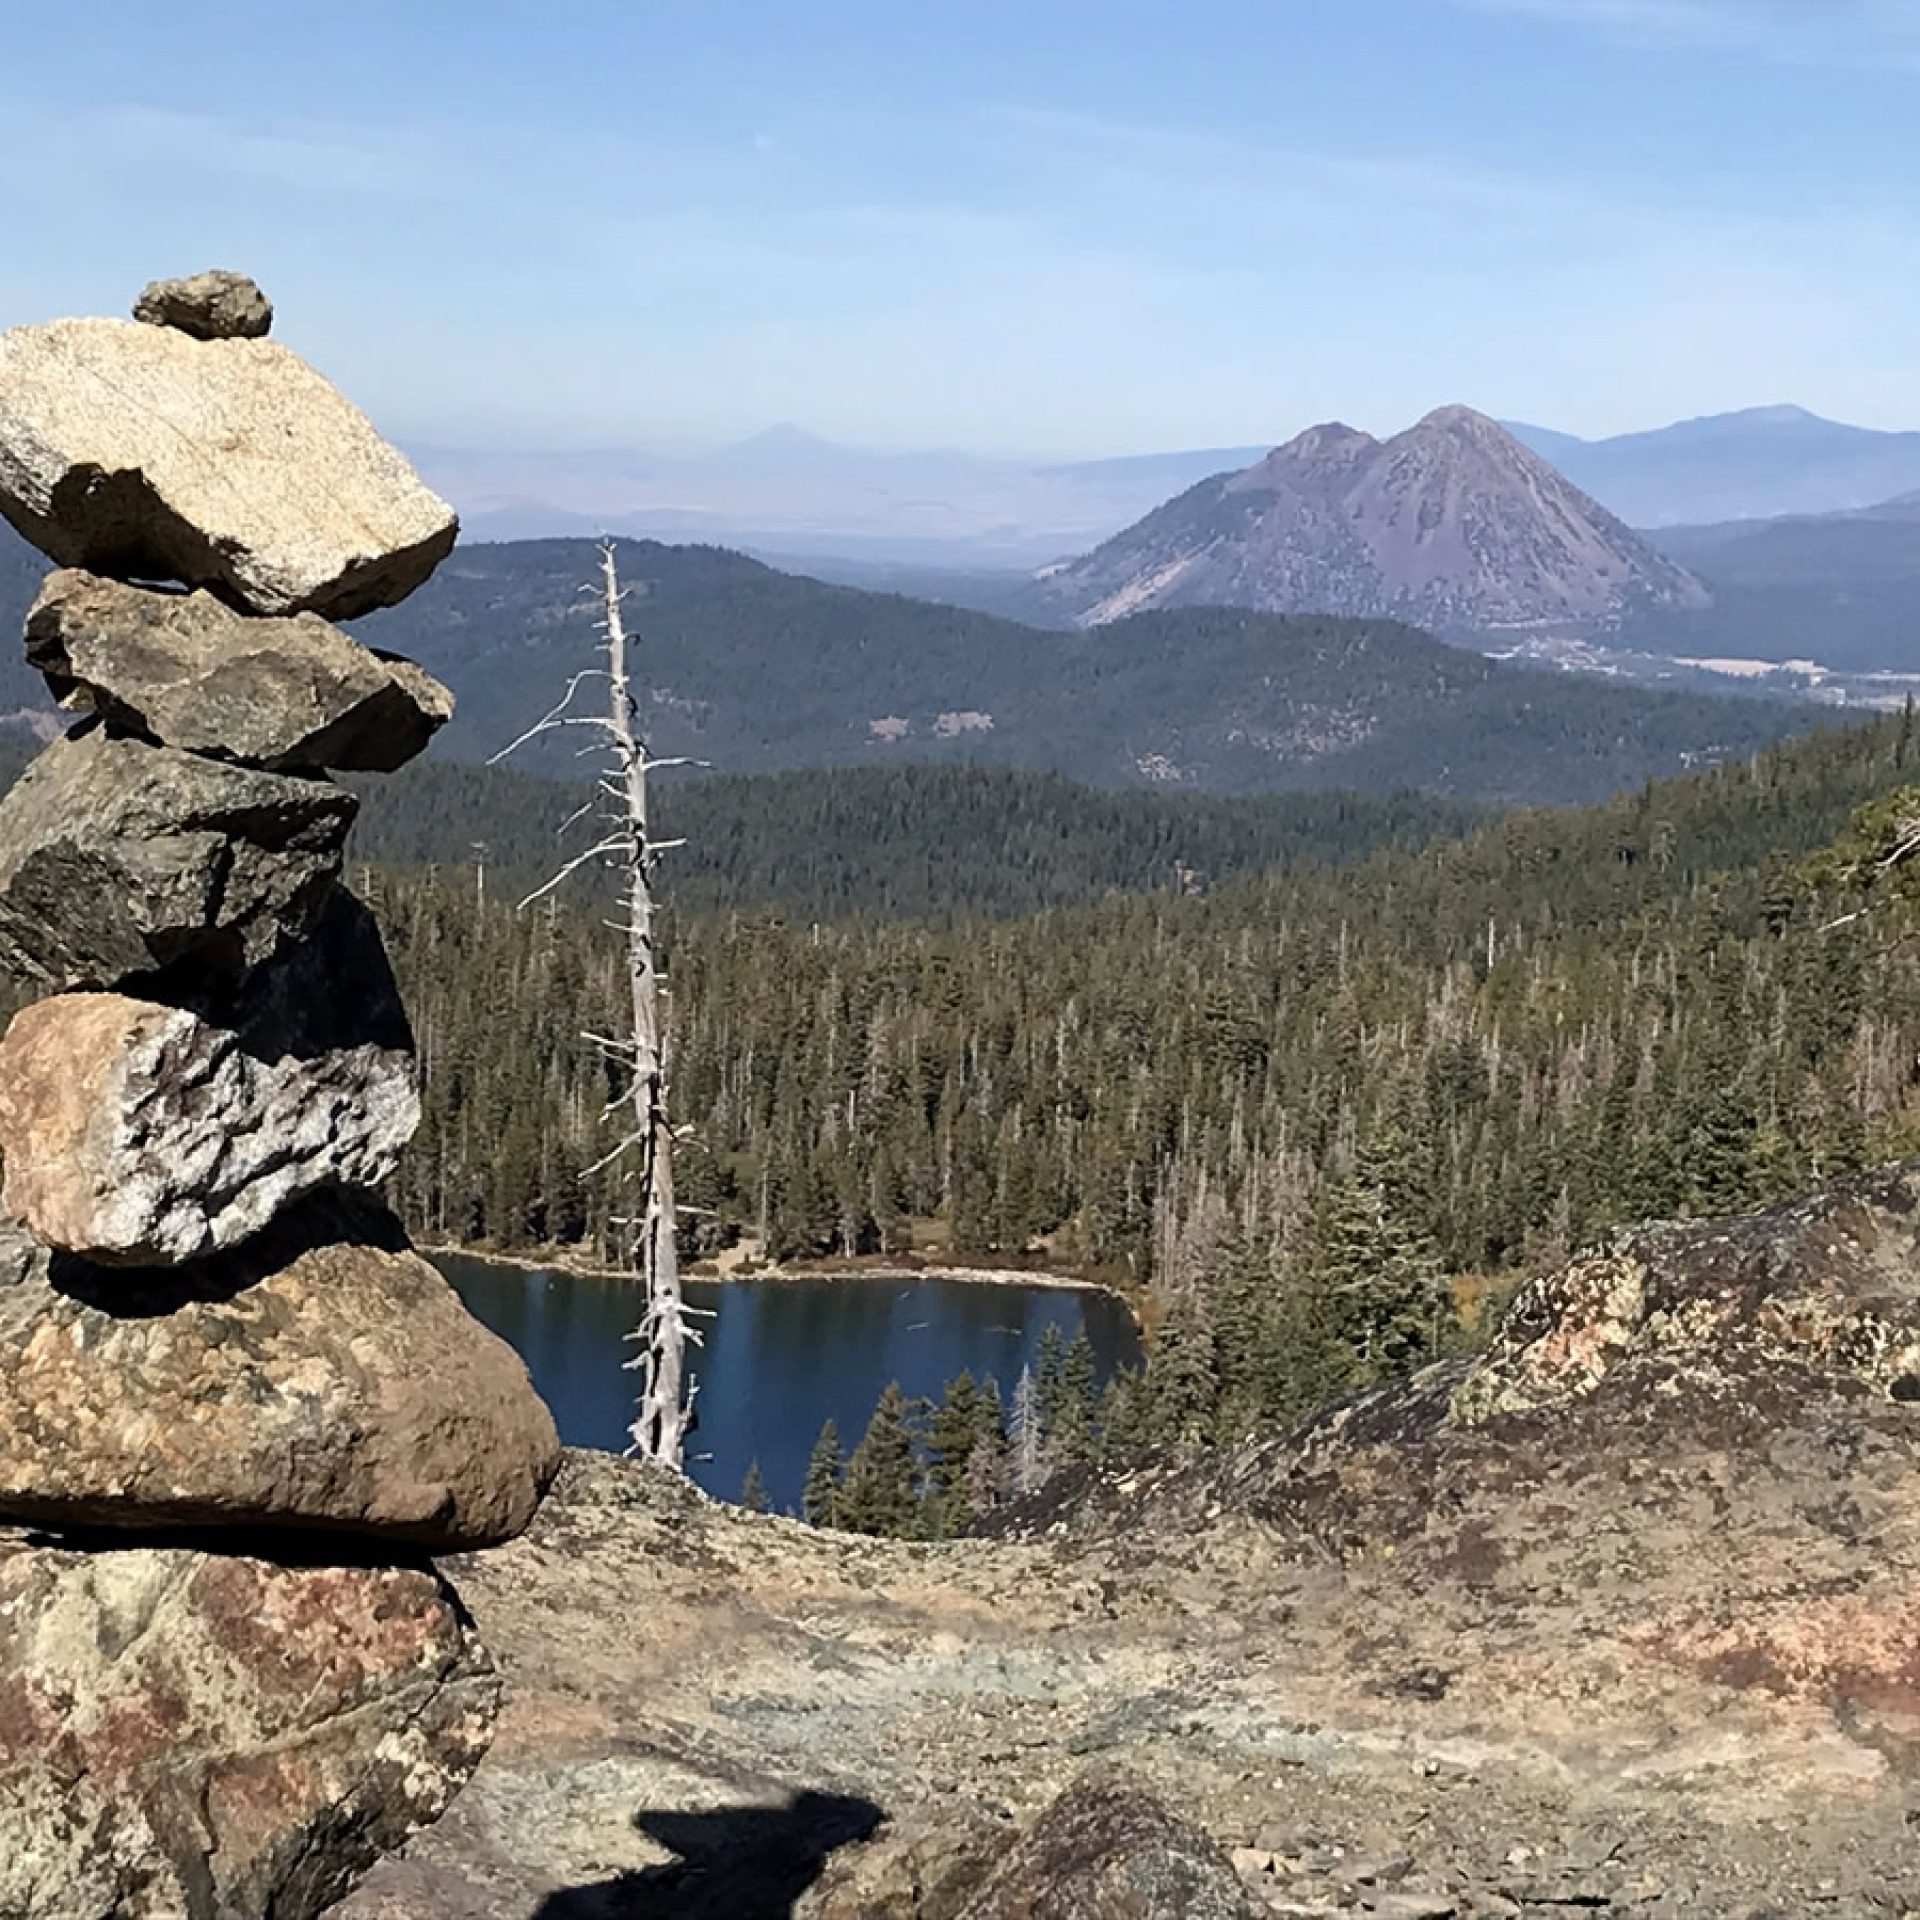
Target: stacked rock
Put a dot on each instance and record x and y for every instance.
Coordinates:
(237, 1411)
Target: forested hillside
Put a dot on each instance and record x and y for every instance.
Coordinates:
(753, 670)
(924, 843)
(750, 670)
(1559, 1022)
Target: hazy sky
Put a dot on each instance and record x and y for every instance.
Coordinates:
(1037, 226)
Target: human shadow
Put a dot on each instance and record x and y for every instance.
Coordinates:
(736, 1863)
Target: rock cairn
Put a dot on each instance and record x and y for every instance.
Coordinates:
(237, 1411)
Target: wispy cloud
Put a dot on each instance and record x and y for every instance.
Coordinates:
(1791, 32)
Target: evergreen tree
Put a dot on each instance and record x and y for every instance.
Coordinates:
(753, 1490)
(984, 1485)
(826, 1474)
(881, 1493)
(1077, 1400)
(1049, 1371)
(1183, 1378)
(953, 1434)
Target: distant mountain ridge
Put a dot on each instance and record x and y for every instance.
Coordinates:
(1753, 464)
(751, 670)
(1452, 524)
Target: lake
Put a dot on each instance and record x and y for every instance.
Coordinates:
(780, 1356)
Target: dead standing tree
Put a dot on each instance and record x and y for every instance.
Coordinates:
(660, 1426)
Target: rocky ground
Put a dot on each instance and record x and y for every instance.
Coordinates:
(1621, 1618)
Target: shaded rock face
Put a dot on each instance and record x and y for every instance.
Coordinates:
(322, 1378)
(1108, 1849)
(215, 305)
(146, 1133)
(192, 673)
(118, 858)
(140, 452)
(183, 1734)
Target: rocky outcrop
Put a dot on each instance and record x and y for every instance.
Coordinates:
(188, 671)
(1107, 1849)
(1618, 1618)
(210, 306)
(143, 453)
(119, 859)
(187, 1733)
(323, 1378)
(149, 1134)
(212, 1341)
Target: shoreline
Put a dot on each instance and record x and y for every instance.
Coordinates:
(959, 1275)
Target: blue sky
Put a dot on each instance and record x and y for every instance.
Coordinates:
(1062, 227)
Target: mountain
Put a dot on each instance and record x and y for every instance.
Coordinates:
(1758, 463)
(787, 491)
(1452, 524)
(750, 670)
(1839, 591)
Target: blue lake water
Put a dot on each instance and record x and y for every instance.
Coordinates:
(780, 1356)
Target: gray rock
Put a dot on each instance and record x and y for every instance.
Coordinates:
(321, 1378)
(215, 305)
(191, 1734)
(143, 453)
(187, 669)
(118, 858)
(1108, 1849)
(143, 1133)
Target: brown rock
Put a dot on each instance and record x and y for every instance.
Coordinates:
(322, 1378)
(146, 1133)
(141, 452)
(215, 305)
(118, 858)
(189, 671)
(185, 1734)
(1107, 1849)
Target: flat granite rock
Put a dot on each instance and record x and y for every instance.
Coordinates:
(189, 671)
(141, 452)
(119, 858)
(324, 1378)
(194, 1736)
(147, 1133)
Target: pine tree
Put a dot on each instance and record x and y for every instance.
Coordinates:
(881, 1493)
(826, 1474)
(1077, 1402)
(1049, 1366)
(753, 1490)
(952, 1435)
(984, 1485)
(1183, 1378)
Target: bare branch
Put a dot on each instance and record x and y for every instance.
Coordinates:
(578, 861)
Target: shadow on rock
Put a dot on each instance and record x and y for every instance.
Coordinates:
(736, 1863)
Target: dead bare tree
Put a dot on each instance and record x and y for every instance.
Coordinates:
(666, 1402)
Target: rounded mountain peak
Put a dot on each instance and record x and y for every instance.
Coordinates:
(1458, 419)
(1330, 436)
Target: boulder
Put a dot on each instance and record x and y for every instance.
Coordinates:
(322, 1378)
(1108, 1849)
(185, 1734)
(141, 452)
(189, 671)
(147, 1133)
(119, 858)
(215, 305)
